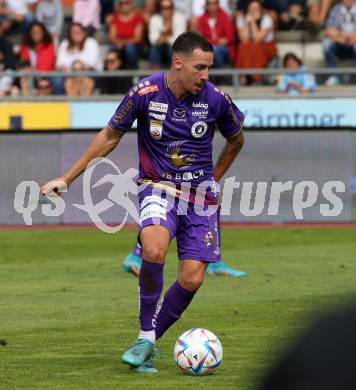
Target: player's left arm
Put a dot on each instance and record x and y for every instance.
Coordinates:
(229, 122)
(228, 154)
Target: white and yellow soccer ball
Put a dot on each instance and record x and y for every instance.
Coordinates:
(198, 352)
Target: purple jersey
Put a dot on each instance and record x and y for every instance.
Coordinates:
(175, 136)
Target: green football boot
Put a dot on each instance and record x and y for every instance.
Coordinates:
(138, 353)
(148, 365)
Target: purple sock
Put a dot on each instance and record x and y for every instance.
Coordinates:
(175, 302)
(151, 284)
(137, 250)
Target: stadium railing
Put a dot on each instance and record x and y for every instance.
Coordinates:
(234, 87)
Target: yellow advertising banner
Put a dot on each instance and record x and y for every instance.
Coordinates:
(34, 116)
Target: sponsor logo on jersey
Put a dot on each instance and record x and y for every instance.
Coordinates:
(199, 129)
(226, 96)
(160, 107)
(179, 113)
(120, 115)
(153, 199)
(148, 89)
(156, 128)
(185, 176)
(200, 105)
(153, 211)
(160, 117)
(201, 114)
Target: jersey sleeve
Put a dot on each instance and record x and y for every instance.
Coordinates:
(125, 114)
(230, 118)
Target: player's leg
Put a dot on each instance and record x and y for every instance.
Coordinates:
(155, 241)
(133, 261)
(180, 294)
(197, 238)
(220, 268)
(158, 223)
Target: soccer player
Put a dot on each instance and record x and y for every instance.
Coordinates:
(176, 113)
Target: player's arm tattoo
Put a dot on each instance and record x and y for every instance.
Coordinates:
(227, 156)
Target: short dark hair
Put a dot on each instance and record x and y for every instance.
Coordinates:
(189, 41)
(292, 56)
(115, 51)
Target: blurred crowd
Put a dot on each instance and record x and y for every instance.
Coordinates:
(242, 32)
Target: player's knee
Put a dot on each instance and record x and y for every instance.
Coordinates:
(191, 283)
(155, 253)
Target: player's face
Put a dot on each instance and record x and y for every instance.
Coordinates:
(194, 70)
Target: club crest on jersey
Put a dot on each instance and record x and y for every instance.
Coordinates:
(199, 129)
(156, 128)
(157, 106)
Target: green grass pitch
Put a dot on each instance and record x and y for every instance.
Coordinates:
(68, 311)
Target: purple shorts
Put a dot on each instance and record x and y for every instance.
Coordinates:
(194, 226)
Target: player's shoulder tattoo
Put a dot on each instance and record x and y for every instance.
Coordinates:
(143, 88)
(222, 93)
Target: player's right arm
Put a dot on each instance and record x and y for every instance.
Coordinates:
(106, 140)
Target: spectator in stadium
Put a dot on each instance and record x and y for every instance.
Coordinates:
(318, 11)
(7, 62)
(114, 85)
(287, 14)
(87, 13)
(198, 8)
(146, 8)
(217, 27)
(163, 29)
(38, 49)
(126, 32)
(340, 32)
(257, 45)
(43, 87)
(77, 46)
(79, 85)
(295, 83)
(22, 85)
(107, 10)
(16, 15)
(50, 13)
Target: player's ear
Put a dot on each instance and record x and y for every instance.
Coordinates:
(177, 62)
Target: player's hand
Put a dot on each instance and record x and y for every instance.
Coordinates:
(54, 187)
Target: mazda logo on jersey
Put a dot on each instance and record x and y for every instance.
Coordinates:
(199, 129)
(179, 113)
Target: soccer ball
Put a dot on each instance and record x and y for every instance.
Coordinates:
(198, 352)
